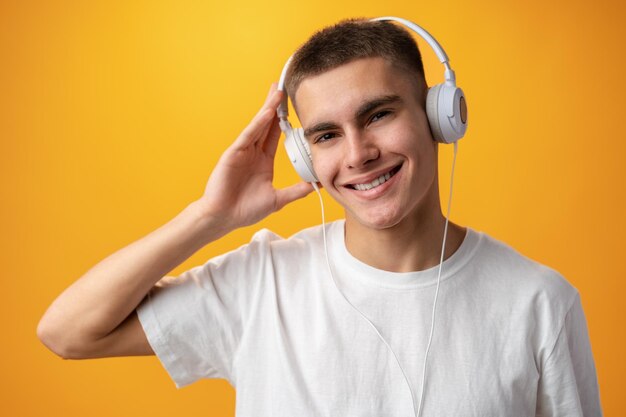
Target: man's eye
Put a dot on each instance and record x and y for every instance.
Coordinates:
(379, 115)
(324, 137)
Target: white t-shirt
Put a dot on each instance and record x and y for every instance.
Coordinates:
(510, 335)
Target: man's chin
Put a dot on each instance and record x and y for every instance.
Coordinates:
(373, 221)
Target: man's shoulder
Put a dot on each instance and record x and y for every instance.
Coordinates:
(520, 273)
(307, 239)
(309, 234)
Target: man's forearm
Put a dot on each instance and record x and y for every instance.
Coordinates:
(106, 294)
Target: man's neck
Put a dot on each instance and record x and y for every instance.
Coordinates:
(413, 245)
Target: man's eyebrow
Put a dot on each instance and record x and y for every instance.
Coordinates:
(319, 127)
(362, 111)
(377, 102)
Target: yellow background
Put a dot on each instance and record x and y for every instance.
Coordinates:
(112, 114)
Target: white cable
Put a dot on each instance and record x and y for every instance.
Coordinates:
(443, 248)
(432, 325)
(330, 270)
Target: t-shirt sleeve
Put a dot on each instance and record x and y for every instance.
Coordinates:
(568, 385)
(195, 322)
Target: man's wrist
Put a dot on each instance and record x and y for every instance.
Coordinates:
(211, 227)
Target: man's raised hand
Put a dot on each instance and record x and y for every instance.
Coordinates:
(240, 190)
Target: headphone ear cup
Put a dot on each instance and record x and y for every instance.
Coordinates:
(300, 154)
(299, 133)
(432, 113)
(446, 109)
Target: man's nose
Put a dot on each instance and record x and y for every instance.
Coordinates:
(360, 149)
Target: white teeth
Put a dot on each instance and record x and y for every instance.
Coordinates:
(378, 181)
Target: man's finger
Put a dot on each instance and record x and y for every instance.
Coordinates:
(272, 138)
(255, 129)
(273, 88)
(292, 193)
(259, 126)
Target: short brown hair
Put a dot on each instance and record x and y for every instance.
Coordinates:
(349, 40)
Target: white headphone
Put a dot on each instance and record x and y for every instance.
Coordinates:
(445, 107)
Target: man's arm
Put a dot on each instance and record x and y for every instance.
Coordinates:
(568, 385)
(92, 313)
(95, 316)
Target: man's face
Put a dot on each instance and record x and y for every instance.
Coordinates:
(370, 141)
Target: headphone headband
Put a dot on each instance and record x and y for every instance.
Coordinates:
(283, 109)
(441, 54)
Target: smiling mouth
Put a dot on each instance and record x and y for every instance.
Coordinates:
(377, 182)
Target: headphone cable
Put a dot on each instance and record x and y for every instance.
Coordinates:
(432, 325)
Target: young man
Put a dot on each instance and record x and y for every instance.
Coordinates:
(510, 336)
